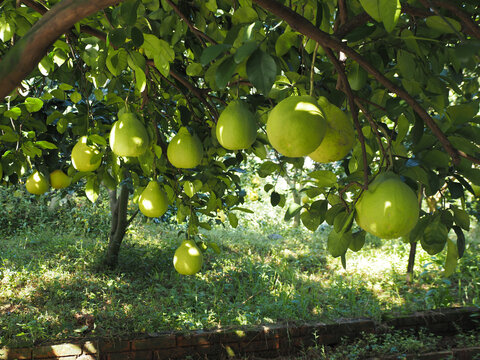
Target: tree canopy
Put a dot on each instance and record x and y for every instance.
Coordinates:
(404, 72)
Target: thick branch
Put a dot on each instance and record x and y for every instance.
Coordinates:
(31, 48)
(305, 27)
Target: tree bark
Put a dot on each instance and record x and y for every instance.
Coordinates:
(411, 261)
(118, 227)
(31, 48)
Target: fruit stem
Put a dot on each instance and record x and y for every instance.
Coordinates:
(312, 69)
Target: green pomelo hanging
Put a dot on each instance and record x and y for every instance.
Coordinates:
(59, 180)
(185, 151)
(37, 183)
(236, 127)
(85, 157)
(296, 126)
(339, 137)
(153, 201)
(388, 209)
(128, 136)
(188, 259)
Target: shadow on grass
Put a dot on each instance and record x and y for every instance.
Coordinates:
(58, 294)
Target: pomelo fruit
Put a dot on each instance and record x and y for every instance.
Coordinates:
(85, 157)
(128, 136)
(37, 183)
(339, 137)
(296, 126)
(236, 127)
(388, 209)
(59, 180)
(185, 151)
(188, 258)
(153, 201)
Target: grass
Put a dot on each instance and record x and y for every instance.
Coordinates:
(52, 288)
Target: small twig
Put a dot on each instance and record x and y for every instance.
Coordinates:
(197, 32)
(132, 217)
(312, 69)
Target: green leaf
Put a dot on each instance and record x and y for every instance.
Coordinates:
(434, 237)
(117, 37)
(463, 113)
(97, 139)
(443, 24)
(128, 11)
(212, 52)
(325, 178)
(372, 8)
(194, 69)
(189, 189)
(140, 80)
(225, 72)
(244, 15)
(292, 210)
(13, 113)
(211, 5)
(461, 218)
(244, 51)
(285, 42)
(390, 11)
(275, 198)
(261, 71)
(232, 218)
(33, 104)
(46, 145)
(406, 64)
(358, 240)
(137, 37)
(267, 168)
(338, 243)
(75, 97)
(92, 188)
(451, 259)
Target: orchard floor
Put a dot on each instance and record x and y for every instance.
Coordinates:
(53, 289)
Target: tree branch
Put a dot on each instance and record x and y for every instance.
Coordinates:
(31, 48)
(469, 25)
(353, 108)
(197, 32)
(299, 23)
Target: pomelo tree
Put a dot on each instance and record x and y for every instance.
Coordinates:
(404, 74)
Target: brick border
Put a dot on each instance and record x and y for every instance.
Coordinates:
(271, 341)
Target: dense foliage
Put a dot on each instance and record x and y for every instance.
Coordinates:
(405, 71)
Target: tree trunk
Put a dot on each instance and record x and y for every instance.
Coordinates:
(411, 261)
(119, 223)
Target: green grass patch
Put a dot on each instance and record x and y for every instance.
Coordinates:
(52, 288)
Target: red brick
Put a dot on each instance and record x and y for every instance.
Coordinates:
(174, 353)
(137, 355)
(90, 347)
(161, 342)
(114, 346)
(467, 353)
(20, 354)
(60, 350)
